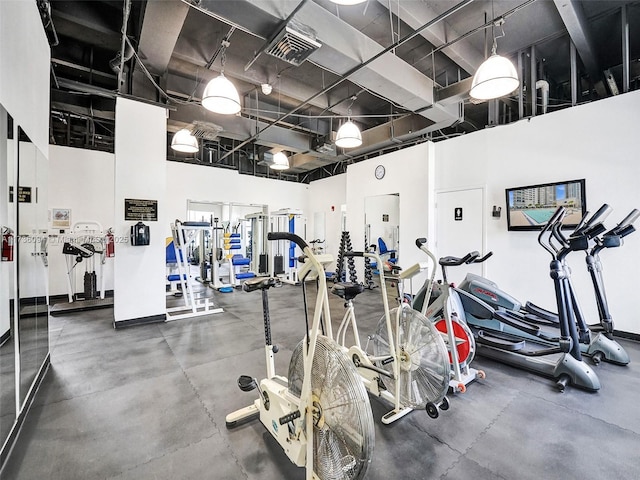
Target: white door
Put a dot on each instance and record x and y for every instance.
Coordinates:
(460, 228)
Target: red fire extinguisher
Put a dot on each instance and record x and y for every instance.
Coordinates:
(110, 244)
(7, 244)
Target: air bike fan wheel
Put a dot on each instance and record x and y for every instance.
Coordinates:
(424, 363)
(343, 433)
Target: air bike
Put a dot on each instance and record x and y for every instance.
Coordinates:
(595, 340)
(504, 336)
(409, 367)
(444, 308)
(320, 415)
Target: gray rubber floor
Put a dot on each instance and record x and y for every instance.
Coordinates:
(149, 402)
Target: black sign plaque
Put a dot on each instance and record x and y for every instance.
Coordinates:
(458, 214)
(24, 194)
(136, 209)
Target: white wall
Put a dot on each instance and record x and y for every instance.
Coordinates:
(140, 159)
(598, 142)
(24, 69)
(409, 172)
(83, 181)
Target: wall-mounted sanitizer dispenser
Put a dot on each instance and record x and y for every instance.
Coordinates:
(140, 234)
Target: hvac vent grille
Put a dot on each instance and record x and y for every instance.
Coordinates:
(293, 44)
(205, 130)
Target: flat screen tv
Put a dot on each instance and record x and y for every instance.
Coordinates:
(530, 207)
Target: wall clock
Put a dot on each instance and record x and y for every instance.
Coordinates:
(380, 172)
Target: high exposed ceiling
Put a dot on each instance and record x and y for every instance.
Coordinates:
(401, 68)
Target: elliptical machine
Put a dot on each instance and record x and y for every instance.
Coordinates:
(501, 334)
(594, 339)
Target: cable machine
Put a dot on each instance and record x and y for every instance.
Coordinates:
(283, 252)
(183, 233)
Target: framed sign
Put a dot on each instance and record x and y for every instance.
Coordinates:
(61, 217)
(137, 209)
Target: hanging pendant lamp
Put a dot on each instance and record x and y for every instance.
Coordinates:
(349, 135)
(221, 96)
(495, 78)
(280, 162)
(183, 141)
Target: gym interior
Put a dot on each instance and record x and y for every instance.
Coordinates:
(203, 284)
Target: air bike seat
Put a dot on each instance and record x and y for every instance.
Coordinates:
(259, 283)
(347, 290)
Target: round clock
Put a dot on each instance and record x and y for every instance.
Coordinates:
(380, 172)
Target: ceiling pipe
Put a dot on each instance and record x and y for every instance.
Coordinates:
(125, 20)
(355, 69)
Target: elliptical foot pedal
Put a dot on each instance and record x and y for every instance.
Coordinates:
(247, 383)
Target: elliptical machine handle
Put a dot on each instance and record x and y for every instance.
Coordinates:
(482, 259)
(604, 210)
(629, 219)
(288, 236)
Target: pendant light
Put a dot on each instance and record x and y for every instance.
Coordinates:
(220, 95)
(280, 162)
(348, 2)
(349, 135)
(497, 76)
(183, 141)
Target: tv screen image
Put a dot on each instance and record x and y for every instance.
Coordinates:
(531, 207)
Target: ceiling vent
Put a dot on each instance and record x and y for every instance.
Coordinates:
(294, 43)
(205, 130)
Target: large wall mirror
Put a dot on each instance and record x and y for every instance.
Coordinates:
(382, 224)
(7, 333)
(24, 316)
(33, 323)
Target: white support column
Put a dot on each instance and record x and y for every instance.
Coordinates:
(140, 173)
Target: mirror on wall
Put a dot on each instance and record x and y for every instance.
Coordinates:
(7, 331)
(32, 238)
(382, 225)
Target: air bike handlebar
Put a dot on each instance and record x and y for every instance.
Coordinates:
(288, 236)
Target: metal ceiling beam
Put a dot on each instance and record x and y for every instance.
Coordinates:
(575, 21)
(239, 128)
(343, 49)
(187, 61)
(358, 70)
(415, 14)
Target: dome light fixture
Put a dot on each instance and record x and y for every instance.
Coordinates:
(221, 96)
(184, 141)
(280, 162)
(497, 76)
(349, 135)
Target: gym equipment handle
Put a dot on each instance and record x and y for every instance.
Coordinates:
(456, 261)
(629, 219)
(420, 241)
(289, 417)
(482, 259)
(287, 236)
(354, 254)
(603, 210)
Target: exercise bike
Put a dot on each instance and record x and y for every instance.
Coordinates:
(441, 304)
(409, 367)
(320, 414)
(594, 339)
(500, 335)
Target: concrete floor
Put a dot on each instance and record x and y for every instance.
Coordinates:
(149, 402)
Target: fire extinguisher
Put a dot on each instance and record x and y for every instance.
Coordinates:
(110, 244)
(7, 244)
